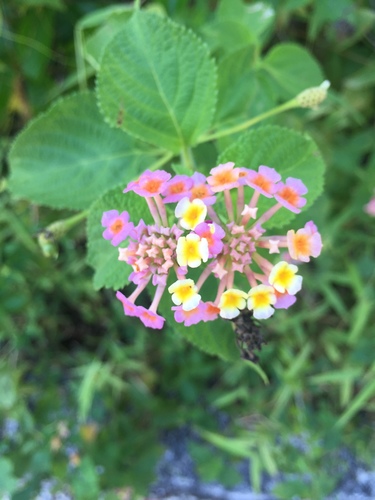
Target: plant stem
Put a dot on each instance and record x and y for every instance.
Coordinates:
(163, 160)
(243, 126)
(187, 158)
(75, 219)
(137, 4)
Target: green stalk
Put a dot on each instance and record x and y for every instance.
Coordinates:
(163, 160)
(243, 126)
(187, 158)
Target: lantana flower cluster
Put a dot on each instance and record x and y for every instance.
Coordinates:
(222, 243)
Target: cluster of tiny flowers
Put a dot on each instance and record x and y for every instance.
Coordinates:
(200, 237)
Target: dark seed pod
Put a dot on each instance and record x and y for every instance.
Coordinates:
(248, 335)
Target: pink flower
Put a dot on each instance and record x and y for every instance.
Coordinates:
(210, 312)
(214, 235)
(118, 226)
(243, 175)
(264, 180)
(284, 300)
(201, 190)
(130, 309)
(150, 318)
(149, 183)
(223, 177)
(177, 188)
(289, 194)
(188, 318)
(304, 243)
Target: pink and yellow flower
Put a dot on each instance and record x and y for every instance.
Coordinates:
(177, 188)
(264, 181)
(191, 250)
(223, 177)
(149, 183)
(190, 213)
(260, 301)
(184, 293)
(188, 318)
(231, 303)
(224, 244)
(289, 194)
(283, 278)
(201, 190)
(304, 243)
(118, 226)
(214, 235)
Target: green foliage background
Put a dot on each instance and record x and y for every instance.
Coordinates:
(89, 387)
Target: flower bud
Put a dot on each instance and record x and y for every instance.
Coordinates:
(312, 97)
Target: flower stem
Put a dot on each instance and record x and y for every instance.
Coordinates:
(269, 213)
(243, 126)
(229, 204)
(161, 207)
(153, 210)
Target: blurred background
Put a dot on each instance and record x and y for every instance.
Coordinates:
(89, 399)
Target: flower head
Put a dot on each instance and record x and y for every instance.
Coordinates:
(118, 226)
(214, 235)
(149, 183)
(191, 250)
(231, 303)
(130, 309)
(184, 292)
(304, 243)
(289, 194)
(191, 213)
(223, 177)
(150, 318)
(283, 278)
(260, 301)
(201, 190)
(264, 180)
(177, 188)
(188, 318)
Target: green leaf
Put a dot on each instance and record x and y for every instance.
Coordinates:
(289, 153)
(85, 482)
(8, 482)
(159, 76)
(224, 36)
(8, 391)
(236, 83)
(102, 256)
(68, 157)
(292, 68)
(257, 17)
(329, 12)
(108, 25)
